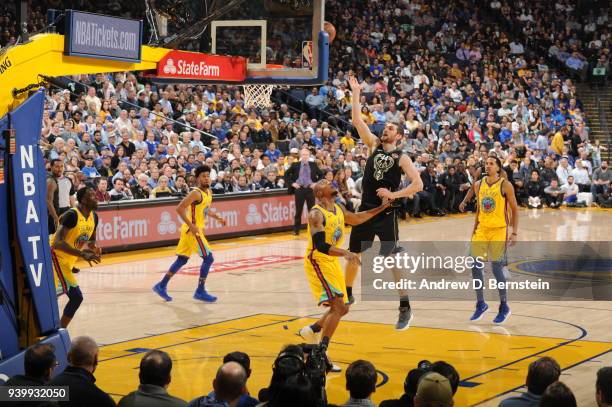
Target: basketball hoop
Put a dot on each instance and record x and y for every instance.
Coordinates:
(258, 95)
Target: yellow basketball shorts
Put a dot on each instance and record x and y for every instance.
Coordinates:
(62, 273)
(189, 244)
(489, 243)
(325, 278)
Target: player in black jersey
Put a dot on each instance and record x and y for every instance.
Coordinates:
(381, 180)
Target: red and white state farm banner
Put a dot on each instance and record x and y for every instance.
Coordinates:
(195, 65)
(160, 223)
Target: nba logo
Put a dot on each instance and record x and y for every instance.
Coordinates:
(307, 54)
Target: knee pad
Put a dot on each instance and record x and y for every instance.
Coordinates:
(75, 298)
(208, 260)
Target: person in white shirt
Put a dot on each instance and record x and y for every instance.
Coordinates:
(571, 190)
(563, 171)
(516, 48)
(581, 177)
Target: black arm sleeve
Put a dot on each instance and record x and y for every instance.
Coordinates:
(319, 242)
(69, 219)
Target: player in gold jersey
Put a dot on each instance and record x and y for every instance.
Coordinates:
(193, 210)
(490, 237)
(75, 237)
(322, 265)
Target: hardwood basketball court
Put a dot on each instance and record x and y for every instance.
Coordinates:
(264, 300)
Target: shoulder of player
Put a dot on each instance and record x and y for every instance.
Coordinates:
(315, 215)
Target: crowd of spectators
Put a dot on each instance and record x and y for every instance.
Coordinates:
(464, 79)
(292, 383)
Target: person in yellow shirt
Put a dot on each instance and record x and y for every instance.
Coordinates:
(322, 265)
(490, 238)
(347, 141)
(75, 238)
(558, 141)
(193, 210)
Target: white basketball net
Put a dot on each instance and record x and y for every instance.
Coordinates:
(257, 95)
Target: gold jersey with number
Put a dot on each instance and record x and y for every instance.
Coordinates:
(78, 233)
(492, 205)
(197, 210)
(323, 271)
(333, 223)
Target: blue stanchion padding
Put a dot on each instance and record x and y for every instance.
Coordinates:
(28, 176)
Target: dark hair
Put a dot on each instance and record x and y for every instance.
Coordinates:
(201, 169)
(497, 161)
(53, 161)
(155, 367)
(604, 384)
(558, 395)
(447, 370)
(541, 374)
(412, 381)
(118, 179)
(296, 391)
(288, 363)
(240, 358)
(361, 379)
(81, 194)
(38, 359)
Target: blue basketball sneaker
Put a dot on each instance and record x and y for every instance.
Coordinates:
(481, 308)
(202, 295)
(161, 291)
(503, 314)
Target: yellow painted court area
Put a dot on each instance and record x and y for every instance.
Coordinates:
(489, 363)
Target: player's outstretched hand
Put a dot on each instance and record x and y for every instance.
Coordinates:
(90, 256)
(512, 239)
(462, 206)
(352, 257)
(384, 193)
(354, 84)
(193, 229)
(222, 221)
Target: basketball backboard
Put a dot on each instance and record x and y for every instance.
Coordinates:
(283, 40)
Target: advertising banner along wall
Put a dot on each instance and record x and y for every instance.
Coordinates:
(143, 225)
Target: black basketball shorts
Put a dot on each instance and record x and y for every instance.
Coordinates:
(384, 225)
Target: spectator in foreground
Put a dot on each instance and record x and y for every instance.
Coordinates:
(541, 374)
(558, 395)
(38, 363)
(78, 376)
(434, 390)
(410, 388)
(243, 359)
(603, 387)
(229, 385)
(154, 375)
(447, 370)
(360, 383)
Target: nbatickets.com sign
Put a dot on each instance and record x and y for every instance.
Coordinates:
(117, 226)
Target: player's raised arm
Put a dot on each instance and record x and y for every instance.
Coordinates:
(193, 197)
(317, 230)
(357, 218)
(362, 128)
(416, 183)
